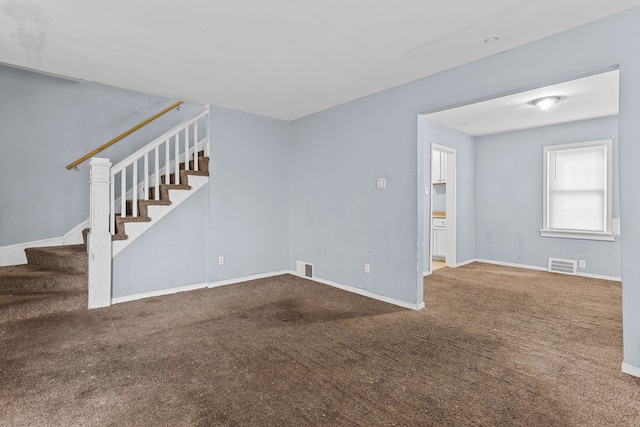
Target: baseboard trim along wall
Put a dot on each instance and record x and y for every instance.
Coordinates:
(352, 289)
(362, 292)
(158, 293)
(534, 267)
(15, 255)
(186, 288)
(247, 278)
(631, 370)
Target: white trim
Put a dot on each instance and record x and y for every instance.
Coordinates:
(535, 267)
(247, 278)
(186, 288)
(600, 276)
(451, 175)
(631, 370)
(15, 255)
(157, 212)
(573, 234)
(152, 177)
(158, 293)
(362, 292)
(467, 262)
(426, 273)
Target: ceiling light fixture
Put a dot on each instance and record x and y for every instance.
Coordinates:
(546, 102)
(491, 39)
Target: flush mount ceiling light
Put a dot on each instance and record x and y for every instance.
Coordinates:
(491, 39)
(546, 102)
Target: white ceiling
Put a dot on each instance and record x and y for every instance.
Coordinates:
(581, 99)
(279, 58)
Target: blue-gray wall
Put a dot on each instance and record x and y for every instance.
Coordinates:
(242, 214)
(249, 186)
(171, 254)
(509, 193)
(45, 124)
(339, 220)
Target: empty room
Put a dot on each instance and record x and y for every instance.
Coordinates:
(333, 213)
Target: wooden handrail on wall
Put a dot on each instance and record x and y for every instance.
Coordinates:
(119, 137)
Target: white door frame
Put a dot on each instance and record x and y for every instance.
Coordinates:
(450, 259)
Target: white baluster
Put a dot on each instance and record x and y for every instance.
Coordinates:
(186, 148)
(176, 159)
(123, 193)
(207, 140)
(195, 146)
(146, 176)
(134, 181)
(156, 194)
(112, 205)
(167, 169)
(99, 239)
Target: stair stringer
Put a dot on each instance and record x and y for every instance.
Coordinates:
(157, 212)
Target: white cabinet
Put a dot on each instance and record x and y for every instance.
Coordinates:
(439, 239)
(438, 166)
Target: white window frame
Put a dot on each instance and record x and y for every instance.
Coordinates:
(574, 233)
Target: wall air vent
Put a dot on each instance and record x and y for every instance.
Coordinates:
(304, 269)
(564, 266)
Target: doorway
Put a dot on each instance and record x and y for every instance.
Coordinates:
(441, 217)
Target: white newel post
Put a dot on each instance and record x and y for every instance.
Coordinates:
(99, 240)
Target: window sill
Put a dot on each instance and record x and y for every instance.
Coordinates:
(584, 235)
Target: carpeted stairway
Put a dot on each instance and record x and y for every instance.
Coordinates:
(54, 279)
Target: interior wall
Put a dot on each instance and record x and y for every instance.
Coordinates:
(509, 202)
(249, 194)
(45, 124)
(339, 220)
(171, 254)
(241, 214)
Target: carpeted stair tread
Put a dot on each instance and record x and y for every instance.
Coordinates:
(18, 307)
(71, 257)
(33, 278)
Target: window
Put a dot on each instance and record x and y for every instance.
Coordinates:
(577, 191)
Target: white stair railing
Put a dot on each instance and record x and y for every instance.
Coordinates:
(158, 159)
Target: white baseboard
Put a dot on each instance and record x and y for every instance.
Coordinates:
(362, 292)
(600, 276)
(511, 264)
(158, 293)
(463, 263)
(631, 370)
(169, 291)
(247, 278)
(186, 288)
(535, 267)
(15, 255)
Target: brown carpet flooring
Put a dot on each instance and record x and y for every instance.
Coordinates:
(495, 346)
